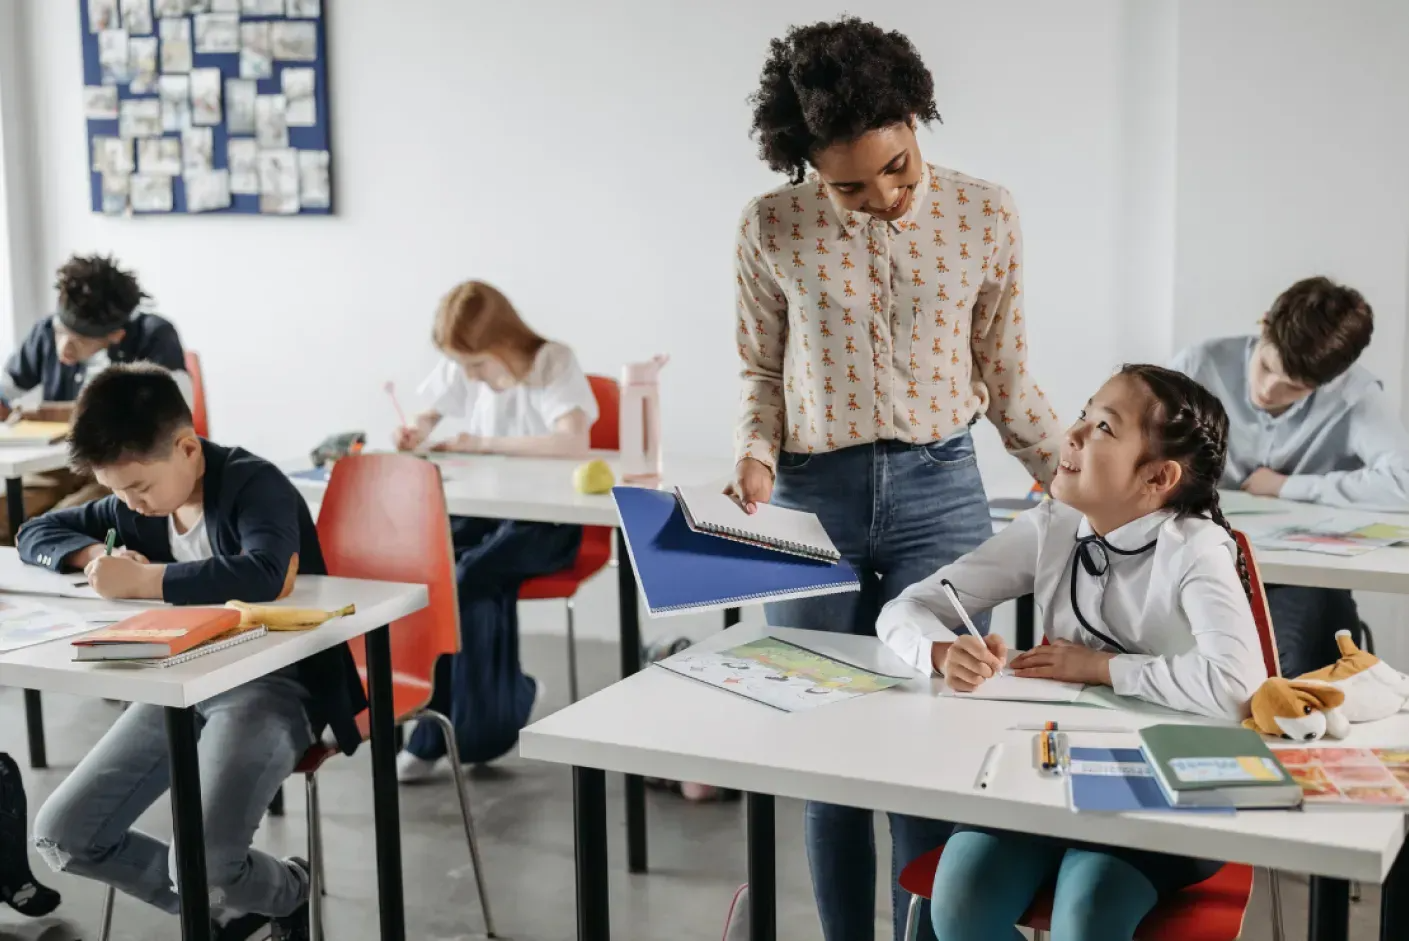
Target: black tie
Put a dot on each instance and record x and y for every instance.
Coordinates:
(1093, 552)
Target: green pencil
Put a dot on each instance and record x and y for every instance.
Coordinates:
(112, 541)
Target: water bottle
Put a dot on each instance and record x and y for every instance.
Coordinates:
(640, 422)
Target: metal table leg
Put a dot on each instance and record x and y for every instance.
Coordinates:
(763, 872)
(33, 704)
(391, 901)
(630, 663)
(589, 814)
(1330, 910)
(189, 828)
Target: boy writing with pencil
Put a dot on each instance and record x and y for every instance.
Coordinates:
(98, 322)
(1307, 423)
(197, 524)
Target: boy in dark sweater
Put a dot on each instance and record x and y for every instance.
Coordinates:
(198, 524)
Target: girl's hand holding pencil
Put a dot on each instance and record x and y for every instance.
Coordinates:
(970, 660)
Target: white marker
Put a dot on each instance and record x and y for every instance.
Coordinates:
(989, 768)
(948, 587)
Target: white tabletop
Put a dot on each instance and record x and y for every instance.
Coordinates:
(50, 667)
(18, 460)
(538, 489)
(908, 750)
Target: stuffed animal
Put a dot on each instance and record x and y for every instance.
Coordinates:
(1358, 687)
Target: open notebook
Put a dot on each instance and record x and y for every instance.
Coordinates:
(707, 510)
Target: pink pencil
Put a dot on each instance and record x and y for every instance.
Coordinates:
(390, 388)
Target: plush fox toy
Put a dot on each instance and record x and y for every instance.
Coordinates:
(1358, 687)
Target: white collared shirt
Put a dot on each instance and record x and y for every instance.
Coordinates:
(1178, 608)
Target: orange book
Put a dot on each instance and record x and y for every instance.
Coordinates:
(156, 634)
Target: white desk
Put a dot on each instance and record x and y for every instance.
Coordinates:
(15, 462)
(908, 751)
(541, 490)
(178, 688)
(1384, 570)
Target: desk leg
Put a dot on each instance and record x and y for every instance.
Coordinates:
(33, 705)
(631, 663)
(763, 870)
(1025, 631)
(1330, 910)
(276, 806)
(589, 815)
(1394, 900)
(385, 799)
(732, 616)
(187, 824)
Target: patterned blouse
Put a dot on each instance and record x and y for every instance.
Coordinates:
(853, 330)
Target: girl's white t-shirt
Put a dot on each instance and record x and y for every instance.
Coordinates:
(554, 387)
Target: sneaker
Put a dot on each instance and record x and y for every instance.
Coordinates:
(413, 770)
(240, 928)
(294, 926)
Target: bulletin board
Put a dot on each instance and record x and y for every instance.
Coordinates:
(207, 106)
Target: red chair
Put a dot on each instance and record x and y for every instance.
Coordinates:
(198, 413)
(596, 550)
(1213, 910)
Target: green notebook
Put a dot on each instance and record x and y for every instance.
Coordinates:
(1217, 766)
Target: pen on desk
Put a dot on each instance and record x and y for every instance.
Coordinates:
(112, 541)
(948, 587)
(989, 767)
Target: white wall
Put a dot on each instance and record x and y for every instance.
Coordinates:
(592, 159)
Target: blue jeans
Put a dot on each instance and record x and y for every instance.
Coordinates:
(483, 689)
(986, 881)
(1305, 621)
(250, 740)
(897, 513)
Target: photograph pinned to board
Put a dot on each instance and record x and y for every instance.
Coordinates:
(165, 8)
(271, 126)
(262, 7)
(294, 41)
(225, 6)
(301, 107)
(117, 187)
(217, 33)
(242, 156)
(315, 185)
(176, 45)
(208, 191)
(152, 192)
(175, 94)
(197, 6)
(103, 15)
(305, 9)
(139, 117)
(112, 155)
(278, 182)
(113, 56)
(240, 95)
(100, 102)
(161, 155)
(780, 674)
(137, 17)
(256, 55)
(142, 64)
(197, 150)
(205, 97)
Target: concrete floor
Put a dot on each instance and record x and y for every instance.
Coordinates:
(524, 812)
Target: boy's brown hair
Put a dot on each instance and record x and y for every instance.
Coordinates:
(476, 318)
(1319, 329)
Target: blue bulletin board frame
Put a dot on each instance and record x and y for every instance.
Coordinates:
(317, 137)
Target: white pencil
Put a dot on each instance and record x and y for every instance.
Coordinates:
(1040, 727)
(948, 587)
(989, 767)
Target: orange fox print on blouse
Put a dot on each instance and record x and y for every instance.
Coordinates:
(853, 330)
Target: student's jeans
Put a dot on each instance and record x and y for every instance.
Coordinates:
(986, 881)
(1305, 621)
(483, 689)
(250, 740)
(897, 513)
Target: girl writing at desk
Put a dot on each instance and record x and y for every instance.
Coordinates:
(508, 391)
(1142, 589)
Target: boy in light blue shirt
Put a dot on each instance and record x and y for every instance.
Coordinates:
(1307, 423)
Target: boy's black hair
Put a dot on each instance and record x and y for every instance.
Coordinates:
(96, 297)
(127, 412)
(832, 82)
(1319, 329)
(1187, 424)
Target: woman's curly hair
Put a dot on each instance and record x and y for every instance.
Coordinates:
(832, 82)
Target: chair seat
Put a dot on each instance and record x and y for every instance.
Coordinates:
(1213, 910)
(592, 556)
(408, 697)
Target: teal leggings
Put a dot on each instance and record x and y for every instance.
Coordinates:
(986, 881)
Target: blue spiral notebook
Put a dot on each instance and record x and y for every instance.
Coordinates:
(680, 570)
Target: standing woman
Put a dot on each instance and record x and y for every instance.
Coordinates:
(879, 314)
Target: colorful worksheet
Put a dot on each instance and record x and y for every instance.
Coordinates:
(23, 624)
(1360, 778)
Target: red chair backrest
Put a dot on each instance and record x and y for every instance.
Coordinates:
(198, 413)
(383, 517)
(606, 430)
(1261, 613)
